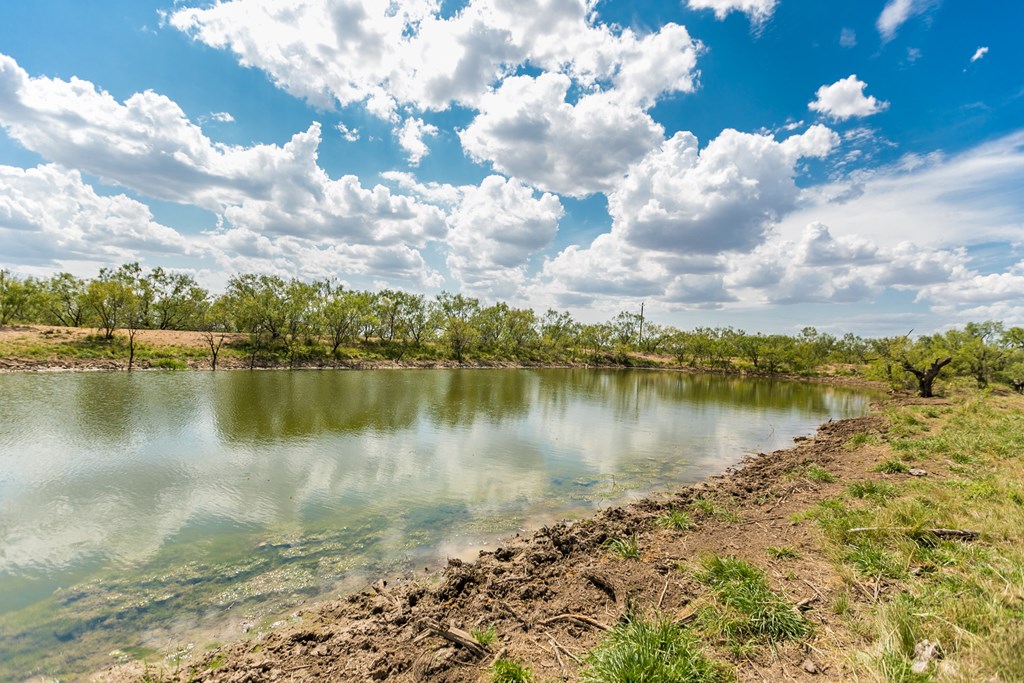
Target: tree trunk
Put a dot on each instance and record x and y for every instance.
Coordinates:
(925, 378)
(131, 349)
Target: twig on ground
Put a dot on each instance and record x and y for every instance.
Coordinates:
(575, 618)
(456, 636)
(661, 598)
(962, 534)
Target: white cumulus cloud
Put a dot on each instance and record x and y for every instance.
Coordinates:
(682, 199)
(388, 55)
(349, 134)
(49, 215)
(526, 129)
(845, 98)
(898, 12)
(494, 229)
(149, 145)
(759, 11)
(410, 137)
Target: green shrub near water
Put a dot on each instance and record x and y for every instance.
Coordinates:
(169, 364)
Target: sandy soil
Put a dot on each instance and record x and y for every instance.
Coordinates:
(394, 631)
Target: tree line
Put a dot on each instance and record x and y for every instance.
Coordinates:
(298, 322)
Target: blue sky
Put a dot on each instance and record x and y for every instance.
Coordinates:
(766, 164)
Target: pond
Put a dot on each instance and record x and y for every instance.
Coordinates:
(140, 512)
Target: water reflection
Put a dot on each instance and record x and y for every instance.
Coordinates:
(155, 494)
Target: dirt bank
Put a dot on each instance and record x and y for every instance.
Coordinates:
(409, 629)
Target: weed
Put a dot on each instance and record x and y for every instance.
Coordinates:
(816, 472)
(751, 610)
(626, 548)
(871, 489)
(892, 466)
(858, 440)
(484, 636)
(650, 650)
(510, 671)
(782, 552)
(675, 519)
(710, 508)
(841, 604)
(169, 364)
(873, 559)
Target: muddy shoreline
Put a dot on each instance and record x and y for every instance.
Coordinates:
(402, 629)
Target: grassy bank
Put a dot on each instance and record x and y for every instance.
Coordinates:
(933, 564)
(886, 548)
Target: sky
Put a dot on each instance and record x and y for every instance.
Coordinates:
(767, 164)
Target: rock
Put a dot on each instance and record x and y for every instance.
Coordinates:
(924, 653)
(917, 472)
(810, 667)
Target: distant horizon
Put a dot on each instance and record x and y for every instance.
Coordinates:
(761, 164)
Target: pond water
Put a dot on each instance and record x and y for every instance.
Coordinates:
(138, 511)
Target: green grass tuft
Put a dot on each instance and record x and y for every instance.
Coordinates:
(675, 519)
(877, 490)
(510, 671)
(626, 548)
(484, 636)
(707, 507)
(748, 609)
(892, 466)
(816, 472)
(650, 650)
(782, 552)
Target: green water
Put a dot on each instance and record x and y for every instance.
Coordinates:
(140, 512)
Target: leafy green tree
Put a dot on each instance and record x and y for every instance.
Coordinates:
(215, 326)
(852, 349)
(454, 315)
(301, 315)
(389, 308)
(596, 339)
(626, 328)
(340, 315)
(400, 314)
(1013, 373)
(558, 331)
(368, 321)
(812, 348)
(257, 307)
(749, 347)
(417, 319)
(491, 325)
(109, 297)
(18, 298)
(178, 301)
(1013, 338)
(976, 351)
(521, 336)
(778, 353)
(655, 338)
(923, 360)
(65, 300)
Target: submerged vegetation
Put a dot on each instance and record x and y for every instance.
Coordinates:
(265, 320)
